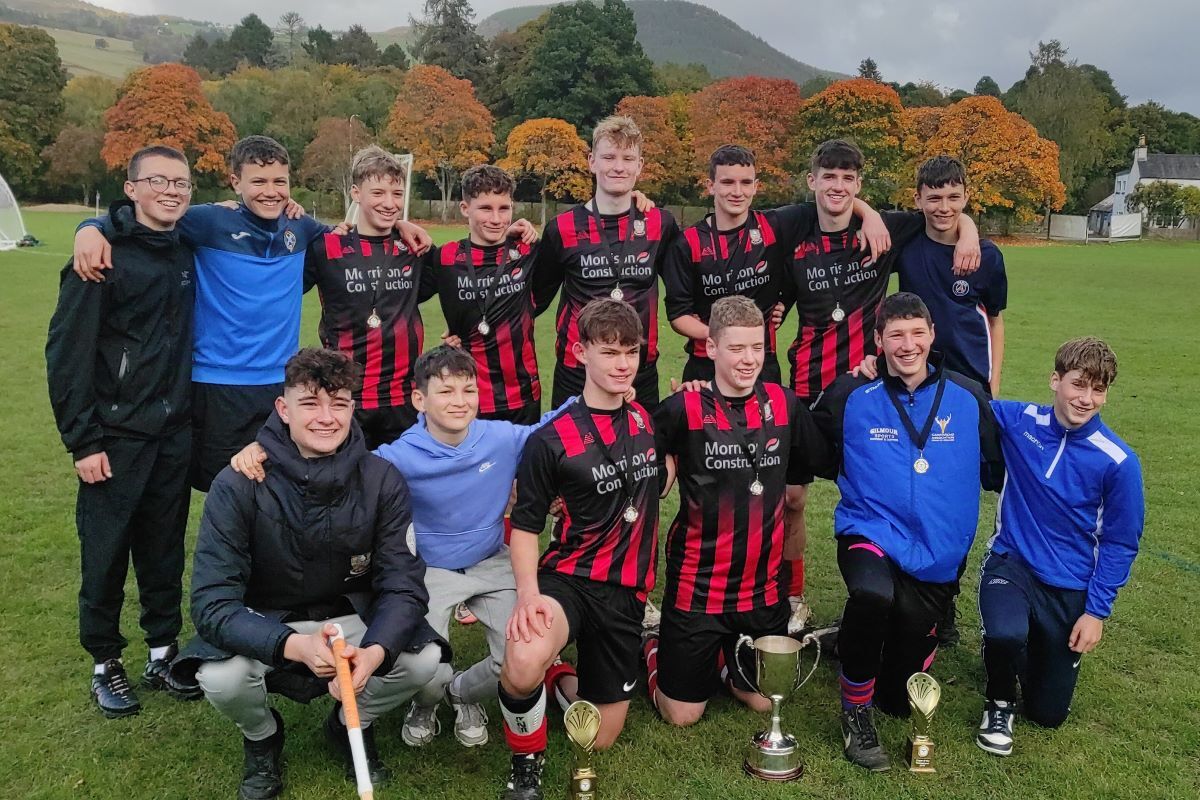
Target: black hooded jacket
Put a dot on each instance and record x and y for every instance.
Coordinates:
(318, 538)
(119, 353)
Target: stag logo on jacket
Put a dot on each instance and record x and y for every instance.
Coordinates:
(359, 565)
(289, 241)
(942, 435)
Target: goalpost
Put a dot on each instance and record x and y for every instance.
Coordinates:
(407, 160)
(12, 227)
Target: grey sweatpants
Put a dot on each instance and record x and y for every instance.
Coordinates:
(237, 686)
(489, 590)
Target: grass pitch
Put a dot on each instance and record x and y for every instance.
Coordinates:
(1134, 731)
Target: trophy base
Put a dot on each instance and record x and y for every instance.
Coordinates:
(919, 754)
(771, 758)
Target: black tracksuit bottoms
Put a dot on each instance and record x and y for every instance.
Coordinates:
(140, 512)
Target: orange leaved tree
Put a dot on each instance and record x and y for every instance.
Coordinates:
(869, 114)
(664, 145)
(1009, 167)
(759, 113)
(549, 151)
(437, 118)
(163, 104)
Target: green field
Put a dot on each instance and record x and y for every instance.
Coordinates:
(1134, 732)
(81, 57)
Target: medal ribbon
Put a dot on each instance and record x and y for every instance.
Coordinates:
(739, 433)
(744, 257)
(620, 426)
(483, 300)
(389, 248)
(617, 251)
(918, 439)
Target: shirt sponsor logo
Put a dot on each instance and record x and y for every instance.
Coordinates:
(289, 241)
(516, 274)
(406, 270)
(772, 445)
(961, 288)
(761, 267)
(885, 435)
(1033, 439)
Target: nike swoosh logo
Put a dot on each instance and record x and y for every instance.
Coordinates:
(1077, 662)
(629, 686)
(485, 466)
(846, 738)
(239, 235)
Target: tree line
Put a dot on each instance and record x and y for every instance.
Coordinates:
(529, 98)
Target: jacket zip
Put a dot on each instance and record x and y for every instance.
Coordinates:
(1061, 446)
(121, 370)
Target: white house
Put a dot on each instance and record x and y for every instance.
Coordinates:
(1183, 170)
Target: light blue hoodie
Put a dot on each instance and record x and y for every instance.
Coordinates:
(459, 493)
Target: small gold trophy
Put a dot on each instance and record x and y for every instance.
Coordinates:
(923, 695)
(582, 722)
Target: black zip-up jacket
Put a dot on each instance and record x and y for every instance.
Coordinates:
(318, 538)
(119, 353)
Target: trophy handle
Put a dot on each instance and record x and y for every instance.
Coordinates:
(805, 642)
(743, 641)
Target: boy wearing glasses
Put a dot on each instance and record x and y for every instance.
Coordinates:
(120, 385)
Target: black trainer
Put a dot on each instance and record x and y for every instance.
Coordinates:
(157, 676)
(525, 779)
(338, 736)
(861, 740)
(947, 629)
(995, 733)
(112, 693)
(262, 765)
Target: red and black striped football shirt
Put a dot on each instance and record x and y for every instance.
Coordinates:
(593, 539)
(705, 264)
(580, 255)
(725, 546)
(498, 290)
(837, 290)
(360, 276)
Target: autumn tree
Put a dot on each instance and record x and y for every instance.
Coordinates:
(868, 113)
(672, 77)
(326, 164)
(163, 104)
(667, 169)
(759, 113)
(551, 153)
(86, 98)
(437, 118)
(31, 103)
(74, 159)
(1009, 167)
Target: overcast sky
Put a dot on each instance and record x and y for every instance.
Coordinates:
(1150, 47)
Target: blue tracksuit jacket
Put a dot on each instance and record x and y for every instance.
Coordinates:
(249, 285)
(924, 522)
(1072, 506)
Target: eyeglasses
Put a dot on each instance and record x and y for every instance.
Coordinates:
(159, 184)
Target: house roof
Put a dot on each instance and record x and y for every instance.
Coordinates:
(1106, 204)
(1171, 167)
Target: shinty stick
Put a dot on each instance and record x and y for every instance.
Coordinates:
(350, 708)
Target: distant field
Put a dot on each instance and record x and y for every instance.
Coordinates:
(1134, 733)
(81, 57)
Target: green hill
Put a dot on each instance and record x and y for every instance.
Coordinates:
(80, 55)
(684, 33)
(401, 35)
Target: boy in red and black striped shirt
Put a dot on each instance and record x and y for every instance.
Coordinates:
(608, 248)
(737, 448)
(370, 285)
(590, 585)
(488, 287)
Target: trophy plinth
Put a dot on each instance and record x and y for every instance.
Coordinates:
(582, 723)
(773, 754)
(924, 694)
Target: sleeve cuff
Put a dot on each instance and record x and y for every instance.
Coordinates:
(86, 450)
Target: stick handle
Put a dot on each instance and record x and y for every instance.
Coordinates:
(349, 701)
